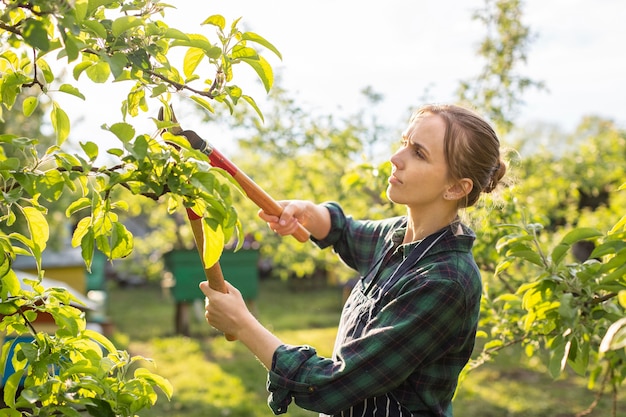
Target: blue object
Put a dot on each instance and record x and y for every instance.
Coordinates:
(8, 366)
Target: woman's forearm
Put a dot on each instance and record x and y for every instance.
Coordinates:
(259, 340)
(316, 219)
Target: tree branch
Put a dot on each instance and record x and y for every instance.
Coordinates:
(210, 93)
(35, 79)
(9, 28)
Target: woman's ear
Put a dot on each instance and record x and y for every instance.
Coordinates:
(459, 189)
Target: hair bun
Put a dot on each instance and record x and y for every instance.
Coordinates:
(497, 173)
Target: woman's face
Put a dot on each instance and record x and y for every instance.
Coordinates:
(419, 177)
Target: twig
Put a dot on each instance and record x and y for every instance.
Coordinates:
(598, 396)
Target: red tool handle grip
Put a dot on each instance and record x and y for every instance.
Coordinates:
(253, 191)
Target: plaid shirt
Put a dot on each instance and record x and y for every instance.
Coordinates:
(403, 338)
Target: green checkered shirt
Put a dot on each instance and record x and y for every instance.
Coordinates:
(403, 338)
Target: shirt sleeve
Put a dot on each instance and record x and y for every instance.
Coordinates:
(357, 242)
(414, 326)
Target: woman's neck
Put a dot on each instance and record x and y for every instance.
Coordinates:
(420, 225)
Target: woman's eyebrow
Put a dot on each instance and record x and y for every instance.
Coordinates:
(419, 146)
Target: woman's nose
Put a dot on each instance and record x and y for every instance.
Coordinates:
(396, 158)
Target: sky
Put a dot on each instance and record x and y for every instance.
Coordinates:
(412, 51)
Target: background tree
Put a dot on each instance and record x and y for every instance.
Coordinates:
(497, 90)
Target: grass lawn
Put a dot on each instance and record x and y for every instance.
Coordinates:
(214, 377)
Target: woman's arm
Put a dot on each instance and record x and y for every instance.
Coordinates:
(314, 217)
(229, 314)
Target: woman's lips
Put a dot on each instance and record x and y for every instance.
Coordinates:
(394, 180)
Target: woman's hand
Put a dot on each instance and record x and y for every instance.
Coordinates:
(227, 312)
(314, 218)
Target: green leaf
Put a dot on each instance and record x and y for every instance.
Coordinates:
(10, 388)
(621, 298)
(70, 89)
(558, 253)
(77, 205)
(124, 131)
(72, 46)
(66, 319)
(101, 409)
(80, 67)
(10, 164)
(621, 224)
(10, 283)
(172, 33)
(99, 73)
(263, 70)
(29, 105)
(60, 123)
(45, 69)
(121, 241)
(51, 185)
(253, 104)
(90, 149)
(204, 181)
(124, 23)
(617, 274)
(94, 4)
(566, 310)
(87, 247)
(117, 63)
(157, 380)
(241, 52)
(80, 9)
(527, 255)
(204, 103)
(576, 235)
(615, 337)
(35, 34)
(581, 233)
(216, 20)
(195, 41)
(82, 228)
(558, 358)
(96, 28)
(607, 248)
(512, 239)
(100, 339)
(253, 37)
(10, 412)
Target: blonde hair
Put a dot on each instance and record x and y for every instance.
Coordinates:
(471, 149)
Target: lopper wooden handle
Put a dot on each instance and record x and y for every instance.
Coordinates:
(253, 191)
(266, 203)
(214, 275)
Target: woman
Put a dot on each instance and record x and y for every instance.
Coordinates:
(409, 325)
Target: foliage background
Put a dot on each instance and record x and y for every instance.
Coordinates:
(566, 313)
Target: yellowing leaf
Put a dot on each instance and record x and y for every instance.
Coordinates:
(38, 227)
(99, 73)
(213, 244)
(29, 105)
(193, 57)
(263, 70)
(60, 123)
(216, 20)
